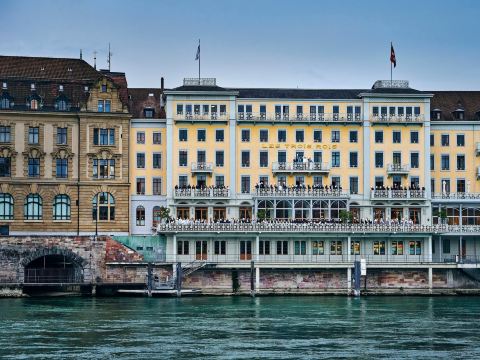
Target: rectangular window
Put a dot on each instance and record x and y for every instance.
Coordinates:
(335, 158)
(219, 135)
(33, 167)
(61, 136)
(201, 135)
(397, 137)
(140, 160)
(245, 158)
(460, 162)
(299, 112)
(379, 247)
(140, 186)
(219, 158)
(263, 135)
(33, 134)
(103, 169)
(391, 111)
(379, 137)
(183, 247)
(220, 181)
(318, 247)
(353, 185)
(460, 140)
(182, 135)
(432, 140)
(107, 105)
(282, 247)
(263, 112)
(353, 159)
(379, 160)
(245, 184)
(432, 162)
(353, 136)
(220, 247)
(460, 185)
(282, 136)
(5, 167)
(4, 134)
(415, 247)
(300, 247)
(100, 106)
(264, 247)
(245, 135)
(317, 157)
(157, 138)
(445, 140)
(317, 136)
(282, 156)
(103, 136)
(414, 137)
(157, 160)
(414, 159)
(182, 158)
(263, 159)
(375, 111)
(182, 181)
(140, 137)
(61, 168)
(157, 186)
(335, 136)
(397, 247)
(445, 162)
(445, 246)
(336, 247)
(299, 136)
(179, 109)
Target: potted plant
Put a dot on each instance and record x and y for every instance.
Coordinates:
(164, 214)
(345, 216)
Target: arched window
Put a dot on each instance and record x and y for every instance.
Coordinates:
(103, 207)
(33, 207)
(61, 207)
(140, 215)
(6, 206)
(156, 216)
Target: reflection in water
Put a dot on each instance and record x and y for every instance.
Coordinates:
(240, 327)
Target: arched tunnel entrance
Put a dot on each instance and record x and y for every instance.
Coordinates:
(53, 269)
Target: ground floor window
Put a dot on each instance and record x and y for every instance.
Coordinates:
(282, 247)
(379, 247)
(397, 247)
(318, 247)
(300, 247)
(183, 247)
(415, 247)
(355, 247)
(264, 247)
(220, 247)
(336, 247)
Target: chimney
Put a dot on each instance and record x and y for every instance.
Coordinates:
(162, 97)
(162, 83)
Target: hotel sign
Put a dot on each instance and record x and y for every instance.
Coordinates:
(300, 146)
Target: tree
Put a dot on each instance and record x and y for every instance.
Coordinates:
(346, 216)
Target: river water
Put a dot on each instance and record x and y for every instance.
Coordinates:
(240, 328)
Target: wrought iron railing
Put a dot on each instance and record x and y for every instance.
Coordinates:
(292, 117)
(398, 194)
(300, 166)
(202, 193)
(294, 192)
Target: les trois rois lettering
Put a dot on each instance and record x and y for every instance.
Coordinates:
(300, 146)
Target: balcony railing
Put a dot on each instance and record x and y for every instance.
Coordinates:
(202, 193)
(397, 119)
(202, 167)
(213, 116)
(398, 194)
(456, 196)
(398, 169)
(300, 167)
(287, 117)
(312, 227)
(293, 192)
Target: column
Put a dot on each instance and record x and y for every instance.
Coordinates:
(349, 246)
(257, 248)
(174, 250)
(428, 250)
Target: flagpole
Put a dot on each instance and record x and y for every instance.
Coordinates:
(391, 65)
(199, 54)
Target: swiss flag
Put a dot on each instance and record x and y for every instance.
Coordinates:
(393, 60)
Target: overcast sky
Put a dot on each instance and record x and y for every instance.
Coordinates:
(271, 43)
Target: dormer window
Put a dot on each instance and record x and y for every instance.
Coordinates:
(148, 112)
(459, 114)
(61, 104)
(436, 114)
(85, 88)
(34, 104)
(104, 88)
(6, 102)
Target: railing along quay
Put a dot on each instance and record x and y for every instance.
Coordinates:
(292, 192)
(312, 227)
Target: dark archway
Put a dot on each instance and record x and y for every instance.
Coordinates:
(53, 269)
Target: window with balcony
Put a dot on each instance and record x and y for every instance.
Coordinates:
(461, 162)
(219, 158)
(461, 185)
(140, 137)
(353, 185)
(299, 112)
(379, 160)
(61, 136)
(445, 162)
(157, 160)
(460, 140)
(263, 159)
(103, 169)
(182, 181)
(140, 186)
(414, 137)
(299, 136)
(4, 134)
(245, 135)
(219, 135)
(282, 156)
(379, 137)
(263, 112)
(335, 111)
(182, 135)
(335, 136)
(317, 136)
(263, 135)
(245, 184)
(140, 160)
(397, 158)
(182, 158)
(5, 167)
(353, 136)
(445, 140)
(157, 138)
(396, 137)
(201, 135)
(179, 109)
(353, 159)
(33, 135)
(103, 136)
(375, 111)
(219, 181)
(282, 136)
(61, 169)
(157, 186)
(335, 158)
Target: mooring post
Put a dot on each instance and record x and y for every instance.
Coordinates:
(357, 277)
(149, 279)
(178, 279)
(252, 278)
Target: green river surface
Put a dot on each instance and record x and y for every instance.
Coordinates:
(291, 327)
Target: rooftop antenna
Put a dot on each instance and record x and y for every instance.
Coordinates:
(95, 59)
(80, 54)
(109, 59)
